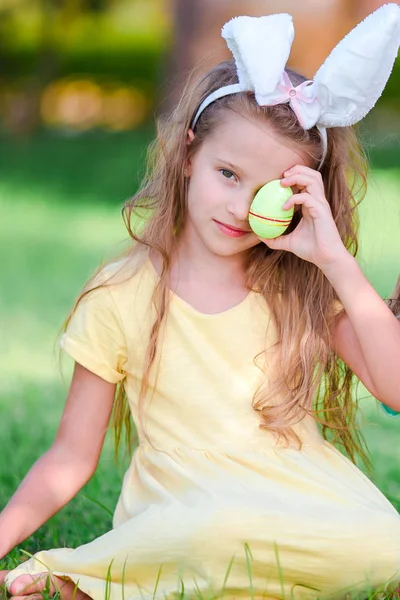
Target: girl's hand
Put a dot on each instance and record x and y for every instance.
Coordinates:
(316, 238)
(30, 587)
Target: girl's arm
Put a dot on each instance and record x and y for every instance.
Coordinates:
(367, 337)
(63, 470)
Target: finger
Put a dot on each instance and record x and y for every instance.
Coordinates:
(278, 243)
(303, 169)
(309, 201)
(30, 597)
(31, 584)
(303, 198)
(70, 591)
(313, 184)
(299, 179)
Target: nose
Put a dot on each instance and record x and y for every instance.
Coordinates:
(239, 205)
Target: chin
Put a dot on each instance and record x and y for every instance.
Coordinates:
(228, 249)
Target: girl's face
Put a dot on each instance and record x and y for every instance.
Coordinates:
(231, 165)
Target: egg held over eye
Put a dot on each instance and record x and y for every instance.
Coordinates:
(266, 216)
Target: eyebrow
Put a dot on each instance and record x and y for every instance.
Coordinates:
(229, 164)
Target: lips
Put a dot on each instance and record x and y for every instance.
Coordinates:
(234, 228)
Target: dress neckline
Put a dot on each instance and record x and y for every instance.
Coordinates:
(189, 308)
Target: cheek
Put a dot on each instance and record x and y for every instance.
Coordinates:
(196, 202)
(204, 193)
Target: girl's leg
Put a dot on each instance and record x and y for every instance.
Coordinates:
(27, 586)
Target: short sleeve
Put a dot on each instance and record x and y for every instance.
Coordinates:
(94, 336)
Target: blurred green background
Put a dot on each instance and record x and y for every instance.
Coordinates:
(80, 82)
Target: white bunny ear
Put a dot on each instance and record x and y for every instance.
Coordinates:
(354, 75)
(261, 48)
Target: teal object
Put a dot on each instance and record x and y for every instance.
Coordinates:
(389, 411)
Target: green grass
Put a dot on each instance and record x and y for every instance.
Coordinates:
(60, 216)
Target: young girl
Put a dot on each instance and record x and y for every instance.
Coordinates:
(225, 349)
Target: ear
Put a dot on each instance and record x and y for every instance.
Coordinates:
(189, 140)
(190, 137)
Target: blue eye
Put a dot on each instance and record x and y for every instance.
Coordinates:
(228, 174)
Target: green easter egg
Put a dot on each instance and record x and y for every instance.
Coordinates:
(266, 216)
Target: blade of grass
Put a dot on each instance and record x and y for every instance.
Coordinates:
(108, 581)
(227, 575)
(280, 572)
(157, 582)
(249, 571)
(100, 504)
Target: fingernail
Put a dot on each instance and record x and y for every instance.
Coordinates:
(17, 588)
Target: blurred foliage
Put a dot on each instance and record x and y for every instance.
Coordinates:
(62, 58)
(121, 38)
(83, 104)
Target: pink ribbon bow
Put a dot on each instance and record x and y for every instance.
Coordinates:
(302, 93)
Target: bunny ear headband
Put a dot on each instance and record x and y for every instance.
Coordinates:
(343, 90)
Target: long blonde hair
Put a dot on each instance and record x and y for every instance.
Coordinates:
(310, 378)
(394, 301)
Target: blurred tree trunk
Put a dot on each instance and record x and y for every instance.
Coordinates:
(186, 25)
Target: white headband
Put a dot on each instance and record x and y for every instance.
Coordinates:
(343, 90)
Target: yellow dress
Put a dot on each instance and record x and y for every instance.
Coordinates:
(210, 504)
